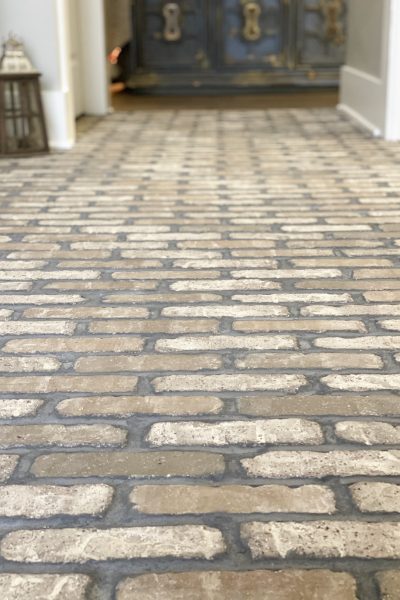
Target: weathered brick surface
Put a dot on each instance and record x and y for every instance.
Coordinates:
(389, 584)
(19, 408)
(7, 465)
(129, 405)
(236, 585)
(376, 497)
(177, 499)
(37, 501)
(82, 545)
(282, 431)
(320, 360)
(61, 435)
(368, 433)
(14, 586)
(237, 382)
(342, 463)
(128, 464)
(332, 404)
(323, 538)
(199, 321)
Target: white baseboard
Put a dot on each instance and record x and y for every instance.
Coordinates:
(363, 98)
(60, 126)
(359, 119)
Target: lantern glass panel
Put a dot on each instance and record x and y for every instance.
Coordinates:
(24, 129)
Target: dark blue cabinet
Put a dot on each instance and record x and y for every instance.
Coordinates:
(236, 44)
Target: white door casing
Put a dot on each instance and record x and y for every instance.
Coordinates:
(370, 83)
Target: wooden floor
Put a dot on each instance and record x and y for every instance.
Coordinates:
(126, 101)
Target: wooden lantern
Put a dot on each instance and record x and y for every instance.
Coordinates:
(22, 124)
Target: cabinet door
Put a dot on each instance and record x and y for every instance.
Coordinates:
(171, 35)
(321, 32)
(252, 33)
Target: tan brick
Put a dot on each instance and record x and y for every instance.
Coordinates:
(40, 299)
(325, 539)
(226, 342)
(349, 284)
(171, 254)
(28, 364)
(60, 254)
(68, 383)
(376, 496)
(236, 585)
(237, 382)
(129, 464)
(22, 264)
(286, 274)
(110, 264)
(5, 313)
(163, 274)
(82, 545)
(225, 263)
(11, 409)
(42, 501)
(145, 237)
(372, 342)
(147, 405)
(390, 324)
(87, 312)
(389, 584)
(8, 464)
(336, 463)
(287, 298)
(74, 344)
(14, 586)
(281, 252)
(225, 284)
(342, 243)
(368, 433)
(376, 273)
(310, 325)
(170, 326)
(355, 310)
(226, 244)
(36, 327)
(315, 360)
(341, 262)
(163, 298)
(382, 296)
(363, 383)
(101, 285)
(38, 275)
(346, 405)
(185, 499)
(61, 435)
(15, 286)
(218, 311)
(148, 362)
(247, 433)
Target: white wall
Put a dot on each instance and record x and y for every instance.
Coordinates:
(370, 90)
(93, 53)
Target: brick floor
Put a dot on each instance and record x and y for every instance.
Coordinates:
(199, 392)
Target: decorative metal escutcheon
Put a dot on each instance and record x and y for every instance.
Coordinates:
(251, 15)
(332, 11)
(172, 16)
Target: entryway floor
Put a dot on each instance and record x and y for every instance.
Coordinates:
(200, 361)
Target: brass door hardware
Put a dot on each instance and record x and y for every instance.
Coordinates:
(251, 14)
(172, 16)
(332, 11)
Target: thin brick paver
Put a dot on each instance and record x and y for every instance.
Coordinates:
(199, 361)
